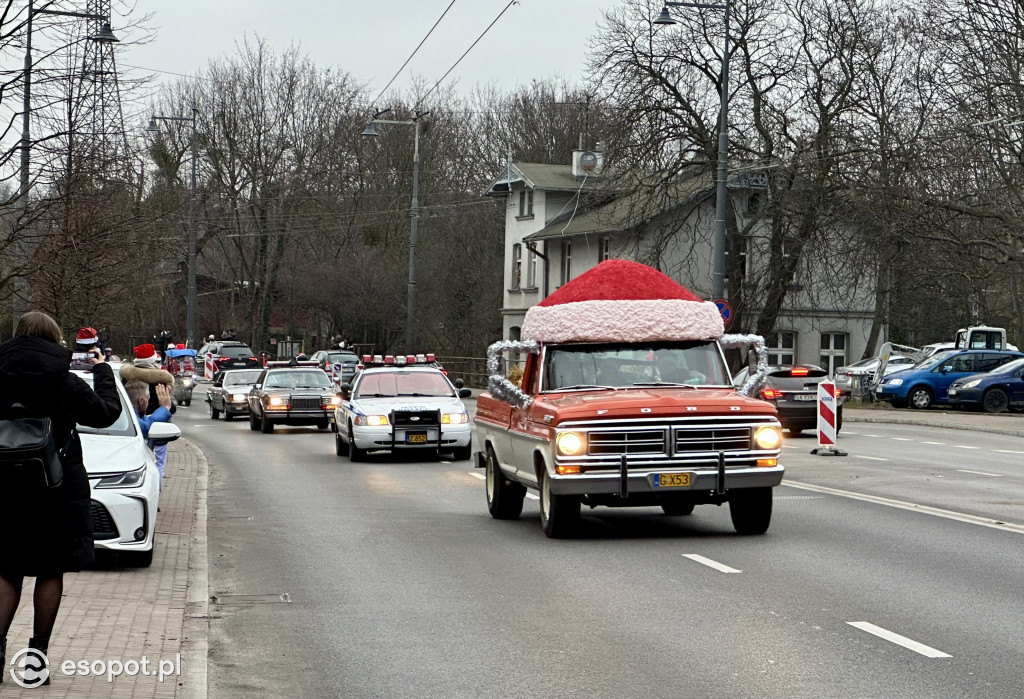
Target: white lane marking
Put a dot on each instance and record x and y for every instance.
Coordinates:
(790, 446)
(710, 564)
(899, 504)
(964, 446)
(477, 475)
(445, 462)
(901, 439)
(873, 458)
(848, 432)
(908, 643)
(532, 496)
(872, 435)
(980, 473)
(1007, 451)
(937, 444)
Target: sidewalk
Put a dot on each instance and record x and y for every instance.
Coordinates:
(113, 613)
(1000, 423)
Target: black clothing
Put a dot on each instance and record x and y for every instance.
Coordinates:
(47, 531)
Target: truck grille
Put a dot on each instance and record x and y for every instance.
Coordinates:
(416, 418)
(306, 403)
(626, 442)
(711, 439)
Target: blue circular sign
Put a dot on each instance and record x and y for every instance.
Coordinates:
(725, 309)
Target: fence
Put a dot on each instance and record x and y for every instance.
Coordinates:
(472, 370)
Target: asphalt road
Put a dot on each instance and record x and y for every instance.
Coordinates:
(895, 571)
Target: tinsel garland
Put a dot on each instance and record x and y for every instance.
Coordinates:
(499, 386)
(758, 376)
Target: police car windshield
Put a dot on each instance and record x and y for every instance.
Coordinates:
(391, 384)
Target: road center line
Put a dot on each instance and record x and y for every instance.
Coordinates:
(873, 458)
(710, 564)
(980, 473)
(937, 444)
(964, 446)
(911, 644)
(477, 475)
(902, 439)
(1007, 451)
(901, 505)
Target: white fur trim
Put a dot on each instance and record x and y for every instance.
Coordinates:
(624, 321)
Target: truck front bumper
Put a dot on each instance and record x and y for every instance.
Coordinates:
(704, 478)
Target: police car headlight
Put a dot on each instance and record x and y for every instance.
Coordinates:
(238, 397)
(893, 382)
(129, 479)
(769, 437)
(570, 443)
(971, 384)
(372, 420)
(455, 418)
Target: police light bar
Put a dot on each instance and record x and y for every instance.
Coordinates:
(378, 359)
(430, 358)
(389, 359)
(410, 359)
(367, 359)
(400, 360)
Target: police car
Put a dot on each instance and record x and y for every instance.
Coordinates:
(402, 403)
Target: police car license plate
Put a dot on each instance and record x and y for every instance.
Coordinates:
(415, 437)
(804, 396)
(671, 480)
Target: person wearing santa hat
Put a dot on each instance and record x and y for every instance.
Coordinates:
(86, 346)
(144, 368)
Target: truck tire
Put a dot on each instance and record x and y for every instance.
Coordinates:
(504, 498)
(751, 510)
(559, 514)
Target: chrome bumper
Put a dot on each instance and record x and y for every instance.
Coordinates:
(608, 482)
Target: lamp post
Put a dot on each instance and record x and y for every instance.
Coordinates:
(105, 35)
(410, 305)
(719, 269)
(190, 303)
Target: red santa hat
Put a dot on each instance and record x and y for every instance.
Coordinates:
(622, 301)
(146, 352)
(87, 336)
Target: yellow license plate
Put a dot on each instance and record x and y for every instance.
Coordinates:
(417, 438)
(671, 480)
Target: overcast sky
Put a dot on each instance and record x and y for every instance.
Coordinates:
(372, 38)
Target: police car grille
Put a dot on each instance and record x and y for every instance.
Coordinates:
(103, 526)
(416, 418)
(306, 403)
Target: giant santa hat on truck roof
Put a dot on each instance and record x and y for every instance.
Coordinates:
(622, 301)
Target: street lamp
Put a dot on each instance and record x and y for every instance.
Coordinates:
(718, 274)
(410, 306)
(190, 303)
(105, 35)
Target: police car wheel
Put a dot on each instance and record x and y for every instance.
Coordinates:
(340, 445)
(354, 452)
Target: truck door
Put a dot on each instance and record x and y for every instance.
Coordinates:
(524, 430)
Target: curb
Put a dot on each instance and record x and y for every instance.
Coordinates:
(930, 423)
(196, 631)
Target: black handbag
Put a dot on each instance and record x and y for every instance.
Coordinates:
(26, 442)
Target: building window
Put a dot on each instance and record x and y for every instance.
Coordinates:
(782, 348)
(517, 266)
(833, 352)
(531, 269)
(526, 203)
(566, 270)
(604, 249)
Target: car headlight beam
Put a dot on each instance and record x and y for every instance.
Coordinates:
(455, 418)
(372, 420)
(571, 443)
(768, 437)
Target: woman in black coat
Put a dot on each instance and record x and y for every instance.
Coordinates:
(46, 532)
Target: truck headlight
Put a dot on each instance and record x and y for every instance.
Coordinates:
(570, 443)
(455, 418)
(372, 420)
(971, 384)
(128, 479)
(769, 437)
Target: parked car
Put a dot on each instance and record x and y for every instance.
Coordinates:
(793, 390)
(996, 391)
(926, 383)
(865, 369)
(229, 394)
(123, 481)
(291, 396)
(230, 355)
(347, 361)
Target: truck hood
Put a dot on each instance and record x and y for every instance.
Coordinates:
(660, 402)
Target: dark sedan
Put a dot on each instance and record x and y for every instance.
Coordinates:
(291, 396)
(995, 392)
(793, 390)
(229, 395)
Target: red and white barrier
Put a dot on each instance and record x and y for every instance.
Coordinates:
(209, 366)
(828, 411)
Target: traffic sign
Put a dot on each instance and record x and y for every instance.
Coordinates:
(725, 309)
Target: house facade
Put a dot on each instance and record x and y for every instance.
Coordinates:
(562, 220)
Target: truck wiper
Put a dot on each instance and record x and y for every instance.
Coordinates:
(584, 387)
(665, 383)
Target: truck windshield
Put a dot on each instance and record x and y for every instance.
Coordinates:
(630, 365)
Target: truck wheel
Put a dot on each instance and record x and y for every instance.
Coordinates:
(678, 509)
(504, 498)
(266, 426)
(559, 514)
(340, 445)
(214, 413)
(995, 401)
(751, 510)
(920, 397)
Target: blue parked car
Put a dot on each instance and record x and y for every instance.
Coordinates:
(926, 383)
(995, 391)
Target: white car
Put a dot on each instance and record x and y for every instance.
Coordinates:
(868, 367)
(124, 482)
(402, 407)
